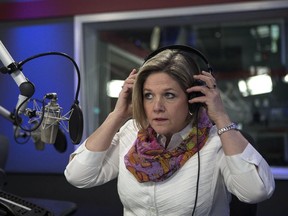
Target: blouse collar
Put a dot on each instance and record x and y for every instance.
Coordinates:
(176, 138)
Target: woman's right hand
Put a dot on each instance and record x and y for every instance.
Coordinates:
(123, 107)
(101, 138)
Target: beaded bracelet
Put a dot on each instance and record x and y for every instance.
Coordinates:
(232, 126)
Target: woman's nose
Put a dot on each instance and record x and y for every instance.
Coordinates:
(158, 105)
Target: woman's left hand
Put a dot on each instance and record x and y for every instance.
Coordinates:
(211, 97)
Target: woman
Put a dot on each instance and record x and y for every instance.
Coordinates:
(171, 159)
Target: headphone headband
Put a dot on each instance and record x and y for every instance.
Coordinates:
(182, 48)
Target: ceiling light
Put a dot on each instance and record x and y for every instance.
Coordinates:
(255, 85)
(114, 87)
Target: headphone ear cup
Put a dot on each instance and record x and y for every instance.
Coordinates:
(193, 108)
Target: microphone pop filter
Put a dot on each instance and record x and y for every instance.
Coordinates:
(76, 124)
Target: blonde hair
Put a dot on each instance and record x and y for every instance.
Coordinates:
(178, 64)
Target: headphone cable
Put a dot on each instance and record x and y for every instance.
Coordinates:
(198, 175)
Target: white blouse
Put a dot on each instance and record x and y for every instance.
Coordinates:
(246, 175)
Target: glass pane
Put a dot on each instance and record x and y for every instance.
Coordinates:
(248, 58)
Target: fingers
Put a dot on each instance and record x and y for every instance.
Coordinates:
(211, 97)
(129, 81)
(131, 78)
(209, 90)
(123, 106)
(207, 78)
(213, 87)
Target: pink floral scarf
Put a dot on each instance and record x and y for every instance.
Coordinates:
(148, 160)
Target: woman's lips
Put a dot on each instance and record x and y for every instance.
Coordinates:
(160, 119)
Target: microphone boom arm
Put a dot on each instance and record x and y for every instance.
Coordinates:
(26, 88)
(7, 115)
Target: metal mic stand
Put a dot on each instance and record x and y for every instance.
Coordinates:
(27, 90)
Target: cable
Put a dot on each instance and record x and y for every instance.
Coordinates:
(19, 121)
(24, 135)
(60, 54)
(198, 154)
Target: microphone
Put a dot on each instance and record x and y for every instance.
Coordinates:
(36, 138)
(60, 143)
(52, 116)
(47, 130)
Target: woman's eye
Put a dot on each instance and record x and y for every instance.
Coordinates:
(169, 95)
(147, 95)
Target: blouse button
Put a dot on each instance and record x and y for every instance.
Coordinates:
(152, 211)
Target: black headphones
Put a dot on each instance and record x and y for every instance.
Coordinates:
(192, 107)
(182, 48)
